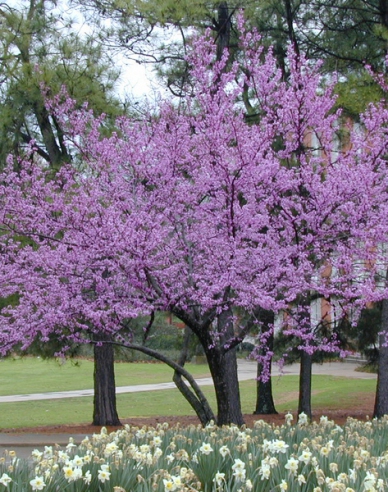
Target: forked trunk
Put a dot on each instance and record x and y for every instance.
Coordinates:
(197, 401)
(214, 336)
(104, 403)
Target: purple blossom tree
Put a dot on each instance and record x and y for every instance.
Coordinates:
(196, 212)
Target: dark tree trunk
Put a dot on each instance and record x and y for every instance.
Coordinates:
(383, 10)
(306, 362)
(223, 368)
(195, 397)
(104, 403)
(264, 400)
(56, 155)
(219, 344)
(381, 401)
(290, 17)
(223, 27)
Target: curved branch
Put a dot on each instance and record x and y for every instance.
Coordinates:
(196, 399)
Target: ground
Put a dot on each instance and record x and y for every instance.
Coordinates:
(362, 410)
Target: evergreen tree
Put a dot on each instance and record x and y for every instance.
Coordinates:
(39, 47)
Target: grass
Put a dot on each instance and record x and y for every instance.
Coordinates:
(32, 375)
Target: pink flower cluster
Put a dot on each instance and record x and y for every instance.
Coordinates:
(197, 209)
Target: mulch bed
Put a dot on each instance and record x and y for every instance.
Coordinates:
(362, 411)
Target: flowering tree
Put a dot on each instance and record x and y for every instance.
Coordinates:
(193, 211)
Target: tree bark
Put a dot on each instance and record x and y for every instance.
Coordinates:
(306, 361)
(223, 367)
(200, 406)
(57, 155)
(381, 401)
(223, 28)
(217, 337)
(196, 398)
(264, 400)
(104, 402)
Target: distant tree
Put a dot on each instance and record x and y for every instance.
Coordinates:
(40, 47)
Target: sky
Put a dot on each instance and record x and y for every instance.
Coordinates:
(136, 81)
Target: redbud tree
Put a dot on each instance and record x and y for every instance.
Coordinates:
(195, 211)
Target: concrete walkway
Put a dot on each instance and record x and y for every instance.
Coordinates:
(246, 370)
(24, 443)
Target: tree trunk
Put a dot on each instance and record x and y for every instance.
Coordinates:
(264, 400)
(56, 155)
(104, 403)
(223, 28)
(222, 360)
(381, 401)
(196, 398)
(306, 362)
(200, 406)
(223, 368)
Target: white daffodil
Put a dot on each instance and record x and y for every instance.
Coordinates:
(333, 467)
(301, 479)
(303, 419)
(87, 477)
(103, 475)
(265, 471)
(224, 451)
(206, 448)
(279, 446)
(292, 465)
(283, 485)
(219, 478)
(305, 457)
(168, 485)
(5, 480)
(37, 483)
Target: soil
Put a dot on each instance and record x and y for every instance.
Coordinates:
(362, 410)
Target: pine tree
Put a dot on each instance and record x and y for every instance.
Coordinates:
(40, 48)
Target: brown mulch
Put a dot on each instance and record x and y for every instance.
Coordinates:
(362, 410)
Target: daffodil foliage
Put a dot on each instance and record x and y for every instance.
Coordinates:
(196, 210)
(321, 457)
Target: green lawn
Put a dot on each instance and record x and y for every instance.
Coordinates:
(34, 375)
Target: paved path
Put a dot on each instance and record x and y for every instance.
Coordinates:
(24, 443)
(246, 370)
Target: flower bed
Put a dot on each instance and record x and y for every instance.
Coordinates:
(302, 457)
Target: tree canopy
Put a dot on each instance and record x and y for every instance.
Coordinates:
(198, 212)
